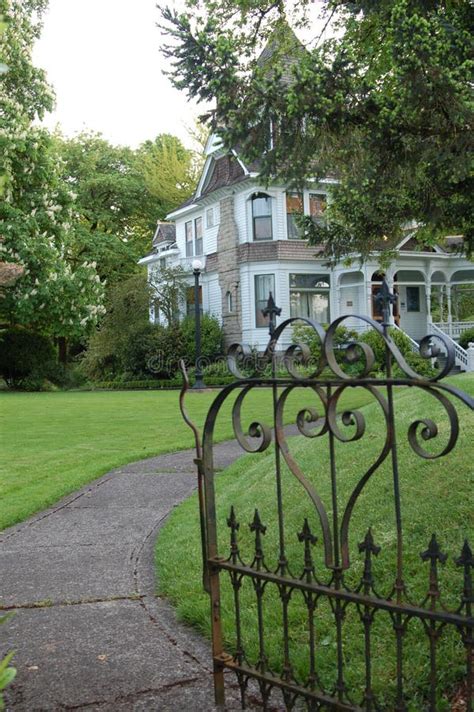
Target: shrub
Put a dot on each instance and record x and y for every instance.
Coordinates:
(212, 338)
(149, 350)
(304, 334)
(420, 365)
(466, 337)
(126, 318)
(26, 357)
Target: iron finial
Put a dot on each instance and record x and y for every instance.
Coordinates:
(385, 298)
(271, 310)
(433, 552)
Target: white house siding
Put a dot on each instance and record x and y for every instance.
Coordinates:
(210, 234)
(214, 302)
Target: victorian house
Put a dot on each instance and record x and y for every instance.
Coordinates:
(248, 244)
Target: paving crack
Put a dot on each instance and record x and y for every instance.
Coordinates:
(47, 603)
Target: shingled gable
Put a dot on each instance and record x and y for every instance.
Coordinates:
(281, 53)
(165, 232)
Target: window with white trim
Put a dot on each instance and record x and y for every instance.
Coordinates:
(264, 284)
(210, 218)
(317, 207)
(198, 236)
(262, 217)
(188, 228)
(294, 207)
(309, 296)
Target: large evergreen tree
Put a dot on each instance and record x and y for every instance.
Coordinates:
(385, 104)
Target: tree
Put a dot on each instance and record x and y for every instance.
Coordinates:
(116, 213)
(52, 295)
(385, 104)
(170, 171)
(127, 315)
(169, 291)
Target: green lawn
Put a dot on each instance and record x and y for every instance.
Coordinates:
(436, 497)
(53, 443)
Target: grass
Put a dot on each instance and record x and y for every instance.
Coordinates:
(53, 443)
(436, 497)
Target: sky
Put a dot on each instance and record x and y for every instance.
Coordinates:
(102, 58)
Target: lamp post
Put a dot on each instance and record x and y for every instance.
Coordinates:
(197, 268)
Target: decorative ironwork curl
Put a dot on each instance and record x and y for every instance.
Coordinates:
(256, 431)
(428, 430)
(355, 352)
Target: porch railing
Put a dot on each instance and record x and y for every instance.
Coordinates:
(461, 356)
(454, 329)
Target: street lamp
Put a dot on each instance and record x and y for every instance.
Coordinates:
(197, 268)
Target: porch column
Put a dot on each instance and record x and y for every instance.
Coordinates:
(390, 281)
(369, 297)
(441, 303)
(450, 318)
(338, 301)
(428, 302)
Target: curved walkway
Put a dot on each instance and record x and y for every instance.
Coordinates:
(88, 631)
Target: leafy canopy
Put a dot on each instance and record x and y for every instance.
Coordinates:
(384, 104)
(53, 294)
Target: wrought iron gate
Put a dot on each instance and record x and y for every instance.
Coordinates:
(334, 583)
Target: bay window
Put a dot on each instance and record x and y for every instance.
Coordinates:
(317, 207)
(262, 217)
(294, 207)
(309, 297)
(264, 284)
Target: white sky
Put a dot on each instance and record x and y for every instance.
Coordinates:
(102, 58)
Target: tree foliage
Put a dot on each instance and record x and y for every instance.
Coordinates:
(170, 171)
(385, 104)
(116, 214)
(168, 291)
(52, 295)
(127, 312)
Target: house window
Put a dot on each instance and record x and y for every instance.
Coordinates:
(210, 217)
(198, 236)
(294, 207)
(309, 297)
(262, 217)
(230, 302)
(317, 207)
(413, 299)
(264, 284)
(189, 238)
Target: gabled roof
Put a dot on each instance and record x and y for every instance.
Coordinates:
(223, 171)
(282, 52)
(165, 232)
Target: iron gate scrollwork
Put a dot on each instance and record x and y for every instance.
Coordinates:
(328, 381)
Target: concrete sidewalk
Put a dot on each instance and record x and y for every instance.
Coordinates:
(88, 631)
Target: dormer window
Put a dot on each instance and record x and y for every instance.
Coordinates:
(262, 216)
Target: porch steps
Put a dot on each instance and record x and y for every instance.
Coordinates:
(456, 369)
